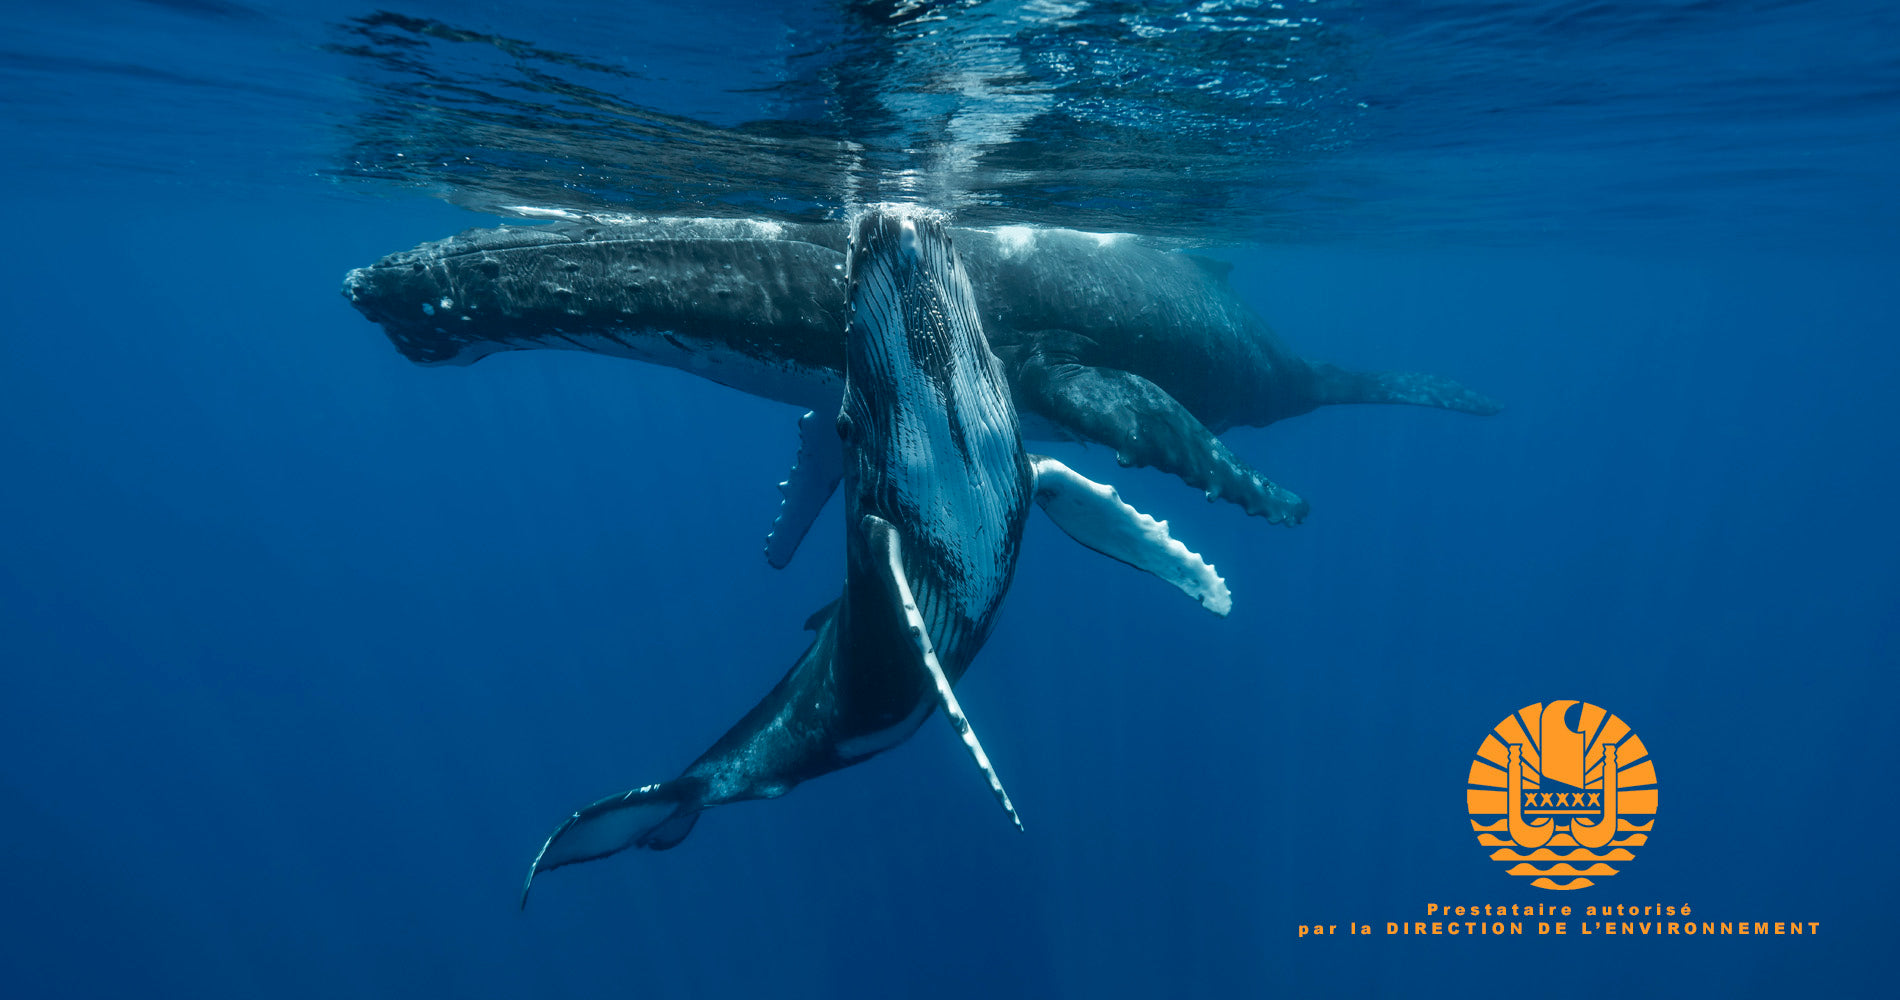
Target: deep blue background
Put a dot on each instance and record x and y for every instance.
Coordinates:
(305, 649)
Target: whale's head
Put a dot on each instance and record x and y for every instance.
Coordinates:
(760, 294)
(449, 302)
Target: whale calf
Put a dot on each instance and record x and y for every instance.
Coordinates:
(937, 489)
(1101, 338)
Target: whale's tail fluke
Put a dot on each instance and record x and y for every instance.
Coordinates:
(656, 817)
(1337, 385)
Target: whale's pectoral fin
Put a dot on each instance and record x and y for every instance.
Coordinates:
(1332, 385)
(814, 477)
(887, 553)
(653, 816)
(1146, 426)
(1096, 516)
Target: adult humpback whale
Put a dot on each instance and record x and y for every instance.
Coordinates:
(937, 489)
(1101, 338)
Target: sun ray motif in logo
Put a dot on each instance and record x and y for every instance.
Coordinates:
(1560, 790)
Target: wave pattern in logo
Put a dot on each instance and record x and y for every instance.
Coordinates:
(1561, 791)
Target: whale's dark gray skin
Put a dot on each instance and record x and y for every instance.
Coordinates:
(937, 489)
(1101, 338)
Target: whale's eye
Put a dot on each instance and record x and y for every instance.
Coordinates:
(844, 425)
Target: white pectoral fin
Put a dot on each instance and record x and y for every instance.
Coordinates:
(888, 551)
(814, 477)
(1095, 515)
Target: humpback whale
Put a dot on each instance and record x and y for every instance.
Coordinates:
(1101, 338)
(937, 490)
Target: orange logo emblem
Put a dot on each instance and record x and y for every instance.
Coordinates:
(1560, 791)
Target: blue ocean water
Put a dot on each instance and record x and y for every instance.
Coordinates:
(307, 648)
